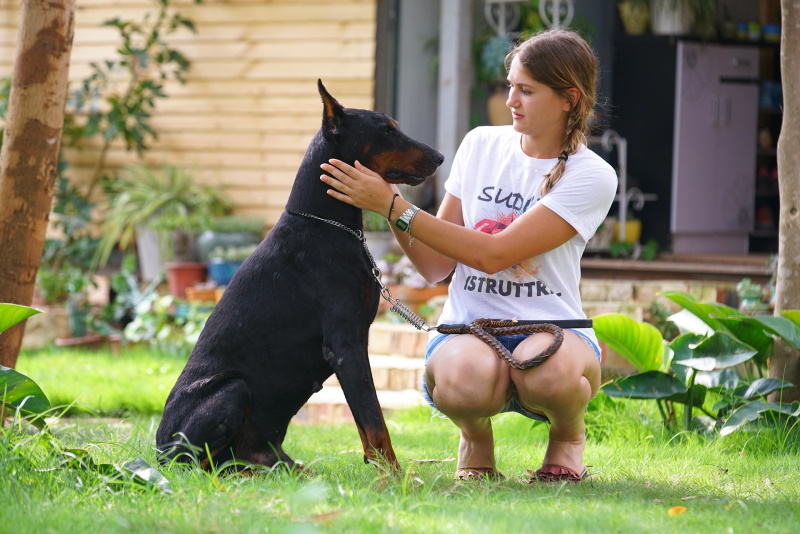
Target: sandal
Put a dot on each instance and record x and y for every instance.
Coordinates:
(478, 473)
(549, 473)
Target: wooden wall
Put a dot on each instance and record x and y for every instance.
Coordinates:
(250, 105)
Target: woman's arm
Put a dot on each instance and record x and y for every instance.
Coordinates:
(535, 232)
(432, 265)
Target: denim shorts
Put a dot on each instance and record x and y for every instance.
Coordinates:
(510, 342)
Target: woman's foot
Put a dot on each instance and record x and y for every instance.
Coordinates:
(476, 446)
(566, 453)
(478, 473)
(550, 473)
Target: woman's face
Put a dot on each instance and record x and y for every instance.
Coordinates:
(537, 109)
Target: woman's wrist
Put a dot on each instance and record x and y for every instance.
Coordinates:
(400, 206)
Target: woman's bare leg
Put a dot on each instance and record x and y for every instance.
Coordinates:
(469, 384)
(560, 388)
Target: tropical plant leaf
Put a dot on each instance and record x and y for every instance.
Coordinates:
(708, 312)
(782, 327)
(688, 322)
(718, 352)
(683, 349)
(722, 379)
(698, 396)
(751, 332)
(743, 415)
(761, 388)
(649, 385)
(19, 392)
(792, 315)
(639, 343)
(11, 314)
(753, 411)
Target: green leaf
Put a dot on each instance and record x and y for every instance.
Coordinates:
(762, 387)
(698, 396)
(17, 391)
(755, 410)
(11, 314)
(718, 352)
(751, 332)
(743, 415)
(722, 379)
(649, 385)
(782, 327)
(792, 315)
(639, 343)
(708, 312)
(683, 349)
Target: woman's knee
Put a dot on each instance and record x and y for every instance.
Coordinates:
(570, 376)
(464, 377)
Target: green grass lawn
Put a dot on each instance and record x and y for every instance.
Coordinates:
(642, 475)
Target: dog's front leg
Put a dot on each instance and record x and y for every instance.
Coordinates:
(355, 377)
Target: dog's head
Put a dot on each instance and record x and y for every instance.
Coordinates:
(375, 140)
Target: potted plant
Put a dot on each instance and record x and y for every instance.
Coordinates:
(163, 203)
(230, 231)
(224, 261)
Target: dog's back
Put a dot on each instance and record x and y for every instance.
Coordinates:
(297, 310)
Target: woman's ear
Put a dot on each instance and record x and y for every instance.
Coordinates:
(571, 98)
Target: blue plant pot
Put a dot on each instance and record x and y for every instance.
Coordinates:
(222, 271)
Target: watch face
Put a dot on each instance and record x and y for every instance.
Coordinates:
(401, 225)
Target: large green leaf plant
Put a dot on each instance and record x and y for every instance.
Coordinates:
(22, 396)
(714, 367)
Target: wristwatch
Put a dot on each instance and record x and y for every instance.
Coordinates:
(403, 222)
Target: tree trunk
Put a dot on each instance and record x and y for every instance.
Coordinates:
(29, 158)
(785, 361)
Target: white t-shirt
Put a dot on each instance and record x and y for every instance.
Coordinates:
(497, 182)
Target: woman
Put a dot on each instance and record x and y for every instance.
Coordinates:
(521, 203)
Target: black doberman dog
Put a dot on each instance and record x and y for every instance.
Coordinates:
(297, 310)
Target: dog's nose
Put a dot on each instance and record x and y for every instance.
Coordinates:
(439, 158)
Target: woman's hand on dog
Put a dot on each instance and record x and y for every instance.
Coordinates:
(358, 186)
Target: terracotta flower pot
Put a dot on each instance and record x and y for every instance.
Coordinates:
(181, 275)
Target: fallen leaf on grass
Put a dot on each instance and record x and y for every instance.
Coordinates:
(429, 460)
(326, 518)
(676, 510)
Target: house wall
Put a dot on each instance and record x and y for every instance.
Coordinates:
(250, 105)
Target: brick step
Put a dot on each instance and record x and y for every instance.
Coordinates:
(329, 406)
(397, 339)
(392, 373)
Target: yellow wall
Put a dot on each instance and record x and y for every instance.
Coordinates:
(250, 105)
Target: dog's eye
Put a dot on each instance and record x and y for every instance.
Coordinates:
(389, 130)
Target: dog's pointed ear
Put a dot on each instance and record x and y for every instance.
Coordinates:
(332, 111)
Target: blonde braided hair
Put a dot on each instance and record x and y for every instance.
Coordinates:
(562, 59)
